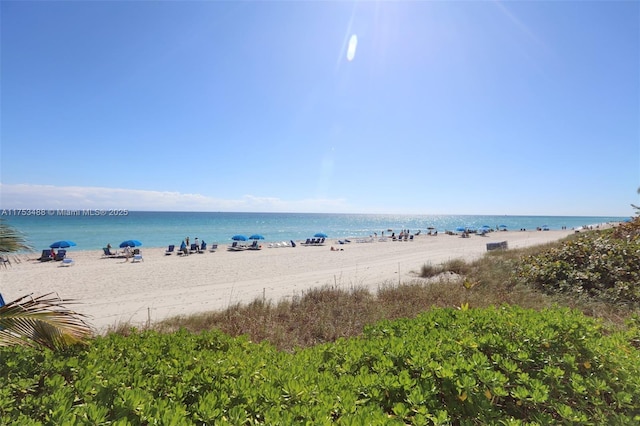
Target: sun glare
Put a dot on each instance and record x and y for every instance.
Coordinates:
(351, 50)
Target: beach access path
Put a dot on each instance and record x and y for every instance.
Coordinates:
(111, 291)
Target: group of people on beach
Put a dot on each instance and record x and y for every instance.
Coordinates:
(185, 247)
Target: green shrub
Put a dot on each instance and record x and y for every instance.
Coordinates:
(468, 366)
(603, 266)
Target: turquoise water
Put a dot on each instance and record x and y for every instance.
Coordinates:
(158, 229)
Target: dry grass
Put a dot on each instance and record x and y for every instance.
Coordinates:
(329, 313)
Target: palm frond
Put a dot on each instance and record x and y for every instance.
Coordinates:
(41, 321)
(11, 240)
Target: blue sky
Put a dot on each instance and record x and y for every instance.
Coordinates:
(478, 107)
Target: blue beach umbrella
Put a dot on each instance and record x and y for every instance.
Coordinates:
(256, 237)
(62, 244)
(503, 226)
(461, 229)
(239, 238)
(130, 243)
(320, 235)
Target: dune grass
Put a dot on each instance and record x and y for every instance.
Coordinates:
(328, 313)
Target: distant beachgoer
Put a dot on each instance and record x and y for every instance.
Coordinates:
(127, 253)
(197, 242)
(187, 241)
(53, 254)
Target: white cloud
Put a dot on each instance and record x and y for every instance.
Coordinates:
(28, 196)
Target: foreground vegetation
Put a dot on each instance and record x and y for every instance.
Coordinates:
(463, 366)
(453, 351)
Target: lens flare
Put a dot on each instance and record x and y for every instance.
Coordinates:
(351, 50)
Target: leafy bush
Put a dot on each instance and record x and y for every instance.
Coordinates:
(467, 366)
(603, 265)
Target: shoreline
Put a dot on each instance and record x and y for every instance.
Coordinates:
(111, 291)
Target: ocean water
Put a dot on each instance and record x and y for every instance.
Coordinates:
(92, 229)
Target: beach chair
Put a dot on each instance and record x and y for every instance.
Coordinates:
(137, 258)
(306, 243)
(170, 250)
(213, 247)
(4, 260)
(107, 252)
(67, 262)
(193, 248)
(45, 256)
(136, 251)
(254, 245)
(61, 255)
(293, 244)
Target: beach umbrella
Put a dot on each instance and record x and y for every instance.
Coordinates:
(320, 235)
(239, 238)
(62, 244)
(130, 243)
(461, 229)
(503, 226)
(431, 228)
(256, 237)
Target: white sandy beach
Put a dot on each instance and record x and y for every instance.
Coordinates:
(111, 291)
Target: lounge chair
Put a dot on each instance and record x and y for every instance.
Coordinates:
(203, 248)
(61, 255)
(170, 249)
(254, 246)
(193, 248)
(67, 262)
(293, 244)
(108, 253)
(45, 256)
(137, 258)
(213, 247)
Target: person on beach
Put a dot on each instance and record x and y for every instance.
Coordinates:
(53, 254)
(187, 239)
(127, 253)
